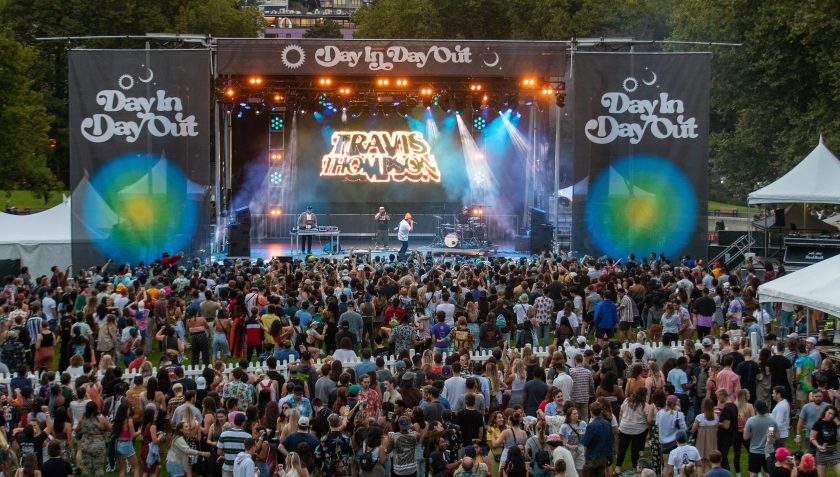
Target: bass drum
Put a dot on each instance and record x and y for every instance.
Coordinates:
(451, 240)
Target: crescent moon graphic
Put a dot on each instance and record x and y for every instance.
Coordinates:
(494, 63)
(150, 78)
(643, 81)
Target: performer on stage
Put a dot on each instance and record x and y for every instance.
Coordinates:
(405, 228)
(306, 221)
(464, 216)
(382, 218)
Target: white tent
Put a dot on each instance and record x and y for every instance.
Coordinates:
(812, 181)
(39, 240)
(816, 286)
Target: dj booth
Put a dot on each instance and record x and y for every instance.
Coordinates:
(333, 233)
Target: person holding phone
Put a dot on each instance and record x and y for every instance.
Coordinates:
(824, 438)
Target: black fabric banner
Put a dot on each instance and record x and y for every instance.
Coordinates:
(641, 154)
(390, 57)
(140, 156)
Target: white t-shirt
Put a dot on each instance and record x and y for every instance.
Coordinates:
(681, 456)
(781, 413)
(573, 319)
(449, 309)
(521, 310)
(345, 355)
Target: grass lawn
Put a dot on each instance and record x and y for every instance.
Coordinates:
(713, 205)
(24, 199)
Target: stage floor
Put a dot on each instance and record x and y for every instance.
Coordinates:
(269, 249)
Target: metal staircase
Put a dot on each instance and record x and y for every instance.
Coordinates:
(732, 255)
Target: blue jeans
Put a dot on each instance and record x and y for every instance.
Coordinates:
(787, 320)
(543, 333)
(220, 345)
(174, 470)
(540, 472)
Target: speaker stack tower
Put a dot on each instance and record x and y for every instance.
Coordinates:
(239, 234)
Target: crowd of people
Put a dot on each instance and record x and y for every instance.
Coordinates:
(369, 366)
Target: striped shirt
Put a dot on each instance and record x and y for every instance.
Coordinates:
(33, 326)
(582, 384)
(231, 442)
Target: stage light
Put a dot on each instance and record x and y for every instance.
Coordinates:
(239, 114)
(547, 91)
(382, 82)
(529, 83)
(479, 123)
(475, 87)
(475, 211)
(325, 82)
(275, 177)
(402, 82)
(230, 92)
(255, 81)
(278, 97)
(276, 122)
(426, 91)
(344, 91)
(276, 211)
(276, 156)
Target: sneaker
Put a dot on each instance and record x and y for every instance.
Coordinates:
(110, 468)
(128, 467)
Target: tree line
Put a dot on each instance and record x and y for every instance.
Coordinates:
(771, 98)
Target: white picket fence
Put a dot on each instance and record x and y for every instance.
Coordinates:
(194, 371)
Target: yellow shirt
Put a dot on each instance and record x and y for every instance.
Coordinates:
(266, 321)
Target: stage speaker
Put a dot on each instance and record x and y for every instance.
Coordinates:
(538, 216)
(779, 218)
(541, 238)
(239, 240)
(522, 242)
(242, 215)
(9, 267)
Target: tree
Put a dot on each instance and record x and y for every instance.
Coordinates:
(24, 122)
(29, 19)
(398, 19)
(773, 96)
(324, 29)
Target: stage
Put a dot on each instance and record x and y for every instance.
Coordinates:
(281, 248)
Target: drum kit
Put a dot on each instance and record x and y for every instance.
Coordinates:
(472, 234)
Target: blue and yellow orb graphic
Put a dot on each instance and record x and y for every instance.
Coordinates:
(138, 206)
(641, 204)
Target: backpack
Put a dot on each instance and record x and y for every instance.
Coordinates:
(365, 459)
(542, 458)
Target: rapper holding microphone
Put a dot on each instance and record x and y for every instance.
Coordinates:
(405, 228)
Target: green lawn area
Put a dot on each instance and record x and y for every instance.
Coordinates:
(713, 205)
(24, 199)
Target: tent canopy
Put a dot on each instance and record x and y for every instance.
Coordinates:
(39, 240)
(815, 286)
(813, 181)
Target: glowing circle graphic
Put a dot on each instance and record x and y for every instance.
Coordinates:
(139, 206)
(641, 204)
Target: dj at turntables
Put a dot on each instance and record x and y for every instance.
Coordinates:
(307, 221)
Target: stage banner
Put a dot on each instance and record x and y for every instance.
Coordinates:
(140, 156)
(428, 58)
(641, 154)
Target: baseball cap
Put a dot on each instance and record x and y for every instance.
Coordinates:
(409, 376)
(707, 342)
(581, 339)
(811, 340)
(303, 421)
(462, 320)
(672, 399)
(404, 423)
(200, 383)
(354, 389)
(553, 438)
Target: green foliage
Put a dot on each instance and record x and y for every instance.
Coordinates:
(29, 19)
(324, 29)
(24, 122)
(774, 96)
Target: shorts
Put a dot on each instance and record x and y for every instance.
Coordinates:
(625, 325)
(756, 463)
(174, 469)
(125, 448)
(667, 448)
(801, 395)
